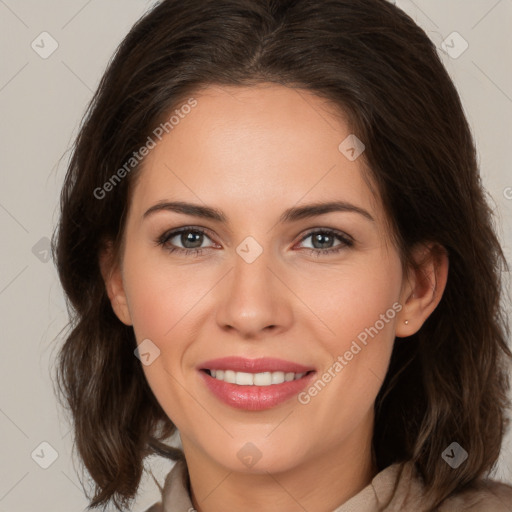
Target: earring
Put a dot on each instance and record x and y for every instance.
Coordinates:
(406, 322)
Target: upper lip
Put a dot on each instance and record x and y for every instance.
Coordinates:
(263, 364)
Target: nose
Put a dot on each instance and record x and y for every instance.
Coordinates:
(254, 299)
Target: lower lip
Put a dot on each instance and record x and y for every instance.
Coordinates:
(255, 398)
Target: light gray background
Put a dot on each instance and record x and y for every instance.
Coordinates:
(42, 101)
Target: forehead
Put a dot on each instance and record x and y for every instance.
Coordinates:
(258, 147)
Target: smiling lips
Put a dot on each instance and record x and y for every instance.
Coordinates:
(254, 384)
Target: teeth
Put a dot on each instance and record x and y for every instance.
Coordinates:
(255, 379)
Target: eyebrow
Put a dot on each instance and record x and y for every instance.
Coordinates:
(290, 215)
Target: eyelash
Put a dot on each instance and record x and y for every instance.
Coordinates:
(345, 240)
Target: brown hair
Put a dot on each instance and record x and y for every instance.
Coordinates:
(446, 383)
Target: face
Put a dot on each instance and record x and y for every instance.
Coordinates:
(266, 277)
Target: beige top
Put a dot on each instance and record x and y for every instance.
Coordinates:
(489, 496)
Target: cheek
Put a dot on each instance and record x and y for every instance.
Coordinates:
(360, 308)
(160, 297)
(161, 305)
(355, 299)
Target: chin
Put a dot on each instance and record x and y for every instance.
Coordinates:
(258, 457)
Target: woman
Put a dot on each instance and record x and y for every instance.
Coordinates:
(275, 242)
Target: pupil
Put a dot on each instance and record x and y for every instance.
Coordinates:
(189, 237)
(318, 237)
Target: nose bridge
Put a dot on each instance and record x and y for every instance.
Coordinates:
(253, 298)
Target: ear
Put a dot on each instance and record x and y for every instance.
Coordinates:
(423, 288)
(113, 278)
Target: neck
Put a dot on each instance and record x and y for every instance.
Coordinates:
(319, 484)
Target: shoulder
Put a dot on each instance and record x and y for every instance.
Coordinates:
(157, 507)
(484, 496)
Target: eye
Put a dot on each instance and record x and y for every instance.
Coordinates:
(322, 241)
(190, 238)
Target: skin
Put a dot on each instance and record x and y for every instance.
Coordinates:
(253, 152)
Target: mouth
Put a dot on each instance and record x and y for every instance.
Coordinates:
(254, 384)
(256, 396)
